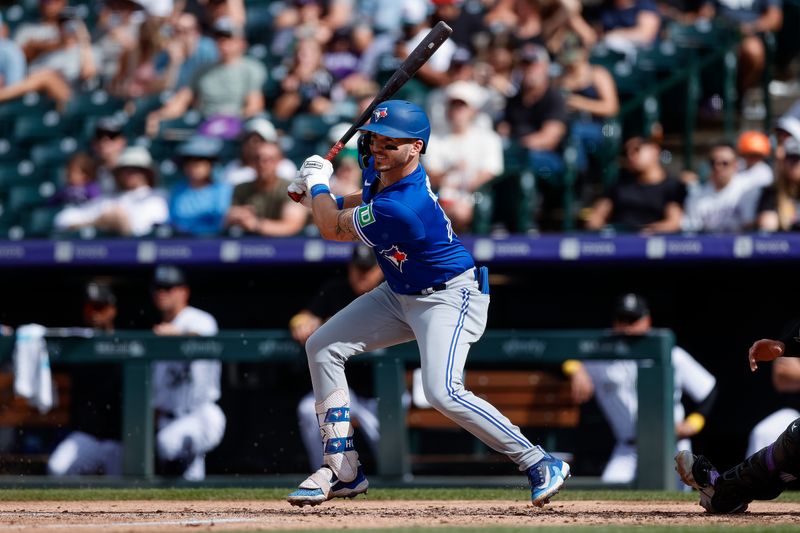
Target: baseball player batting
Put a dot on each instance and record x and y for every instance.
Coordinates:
(433, 293)
(763, 475)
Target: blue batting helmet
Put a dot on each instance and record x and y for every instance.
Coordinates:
(400, 119)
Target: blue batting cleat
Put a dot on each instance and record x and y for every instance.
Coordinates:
(323, 485)
(546, 478)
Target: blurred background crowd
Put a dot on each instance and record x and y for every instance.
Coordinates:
(188, 117)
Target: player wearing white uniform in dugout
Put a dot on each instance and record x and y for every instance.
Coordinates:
(189, 422)
(615, 391)
(433, 293)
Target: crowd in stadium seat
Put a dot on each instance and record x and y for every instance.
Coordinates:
(227, 96)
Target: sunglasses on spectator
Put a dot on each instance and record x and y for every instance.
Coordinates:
(107, 134)
(793, 159)
(720, 162)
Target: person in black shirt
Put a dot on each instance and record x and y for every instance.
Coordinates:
(646, 199)
(763, 475)
(363, 275)
(536, 115)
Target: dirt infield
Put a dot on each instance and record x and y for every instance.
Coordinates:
(135, 516)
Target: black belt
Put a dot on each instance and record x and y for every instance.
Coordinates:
(438, 287)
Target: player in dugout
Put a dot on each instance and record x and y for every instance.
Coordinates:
(433, 294)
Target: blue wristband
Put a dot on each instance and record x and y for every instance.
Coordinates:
(340, 202)
(319, 189)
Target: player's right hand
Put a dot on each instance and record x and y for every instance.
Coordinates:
(764, 350)
(298, 191)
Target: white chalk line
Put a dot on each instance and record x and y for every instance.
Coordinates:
(160, 523)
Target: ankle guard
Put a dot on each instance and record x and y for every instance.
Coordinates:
(333, 415)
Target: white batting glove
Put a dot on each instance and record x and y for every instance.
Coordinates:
(316, 171)
(298, 191)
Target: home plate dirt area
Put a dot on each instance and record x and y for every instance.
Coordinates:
(133, 516)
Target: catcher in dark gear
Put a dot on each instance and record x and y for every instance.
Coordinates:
(762, 476)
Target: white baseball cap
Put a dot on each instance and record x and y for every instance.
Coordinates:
(414, 11)
(263, 128)
(790, 125)
(470, 93)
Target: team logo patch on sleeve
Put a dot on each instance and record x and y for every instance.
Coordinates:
(395, 256)
(365, 216)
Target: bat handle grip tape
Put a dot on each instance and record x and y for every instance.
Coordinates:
(334, 151)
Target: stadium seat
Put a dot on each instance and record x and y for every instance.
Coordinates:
(89, 104)
(55, 152)
(34, 127)
(38, 222)
(11, 152)
(12, 173)
(23, 197)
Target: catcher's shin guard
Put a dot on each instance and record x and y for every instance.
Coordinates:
(763, 475)
(340, 455)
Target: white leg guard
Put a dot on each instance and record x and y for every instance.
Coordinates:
(340, 455)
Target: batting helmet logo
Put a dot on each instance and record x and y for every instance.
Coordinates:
(379, 113)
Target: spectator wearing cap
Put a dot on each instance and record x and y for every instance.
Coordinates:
(108, 143)
(646, 198)
(536, 115)
(263, 206)
(726, 202)
(788, 125)
(613, 384)
(306, 88)
(465, 158)
(134, 210)
(627, 25)
(754, 149)
(255, 132)
(779, 205)
(81, 182)
(228, 88)
(363, 275)
(199, 202)
(186, 53)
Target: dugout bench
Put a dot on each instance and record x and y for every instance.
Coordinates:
(135, 350)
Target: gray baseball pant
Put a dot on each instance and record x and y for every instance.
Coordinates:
(445, 324)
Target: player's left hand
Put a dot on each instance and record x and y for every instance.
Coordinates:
(316, 171)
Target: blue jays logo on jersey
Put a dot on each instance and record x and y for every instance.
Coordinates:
(395, 256)
(379, 113)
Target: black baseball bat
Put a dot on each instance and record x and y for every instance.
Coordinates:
(404, 72)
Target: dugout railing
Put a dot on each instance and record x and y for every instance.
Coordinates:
(135, 350)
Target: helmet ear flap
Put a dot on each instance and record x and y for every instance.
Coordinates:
(364, 150)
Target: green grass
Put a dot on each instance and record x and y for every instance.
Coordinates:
(223, 494)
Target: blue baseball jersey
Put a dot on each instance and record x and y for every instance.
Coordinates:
(408, 231)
